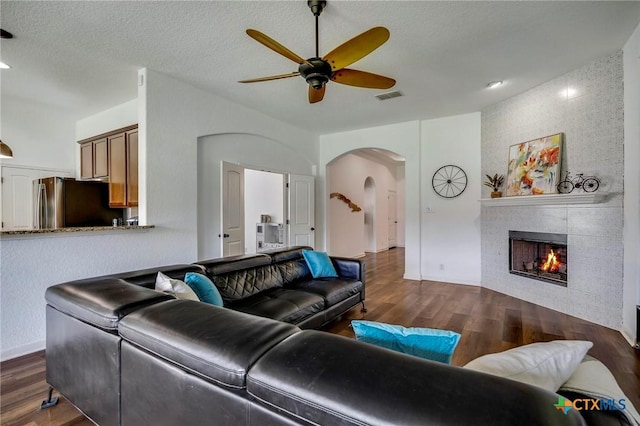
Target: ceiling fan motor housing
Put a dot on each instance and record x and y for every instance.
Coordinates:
(318, 74)
(316, 6)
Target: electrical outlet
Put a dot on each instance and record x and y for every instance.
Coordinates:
(442, 266)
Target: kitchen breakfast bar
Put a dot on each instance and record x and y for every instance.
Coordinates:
(94, 229)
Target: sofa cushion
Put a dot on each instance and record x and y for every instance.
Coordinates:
(544, 364)
(428, 343)
(333, 290)
(294, 270)
(147, 277)
(102, 302)
(592, 379)
(174, 287)
(286, 253)
(319, 263)
(215, 342)
(227, 264)
(281, 304)
(243, 283)
(333, 380)
(205, 290)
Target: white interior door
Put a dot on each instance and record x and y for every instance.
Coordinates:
(301, 210)
(232, 237)
(393, 218)
(17, 195)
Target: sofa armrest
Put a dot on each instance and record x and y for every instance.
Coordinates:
(349, 268)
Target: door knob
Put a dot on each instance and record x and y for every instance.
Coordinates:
(313, 229)
(226, 235)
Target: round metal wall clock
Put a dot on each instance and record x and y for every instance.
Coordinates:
(449, 181)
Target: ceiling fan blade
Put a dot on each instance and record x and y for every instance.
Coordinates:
(362, 79)
(357, 48)
(273, 77)
(275, 46)
(316, 95)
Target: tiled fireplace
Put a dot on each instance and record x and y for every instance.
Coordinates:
(592, 121)
(538, 255)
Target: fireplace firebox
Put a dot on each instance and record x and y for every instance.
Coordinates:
(540, 256)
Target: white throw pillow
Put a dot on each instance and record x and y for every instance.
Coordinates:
(594, 379)
(547, 364)
(175, 287)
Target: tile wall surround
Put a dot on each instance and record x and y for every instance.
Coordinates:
(592, 122)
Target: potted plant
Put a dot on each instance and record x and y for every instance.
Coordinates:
(495, 182)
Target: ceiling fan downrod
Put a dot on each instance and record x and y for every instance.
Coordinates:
(317, 6)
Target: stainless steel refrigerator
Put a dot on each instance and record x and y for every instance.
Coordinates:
(65, 202)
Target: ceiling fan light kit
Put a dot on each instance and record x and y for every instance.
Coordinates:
(317, 71)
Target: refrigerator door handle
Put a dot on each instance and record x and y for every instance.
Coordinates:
(36, 208)
(46, 206)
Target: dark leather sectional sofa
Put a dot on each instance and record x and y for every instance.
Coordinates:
(127, 355)
(277, 284)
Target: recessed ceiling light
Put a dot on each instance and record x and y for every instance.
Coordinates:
(494, 84)
(569, 93)
(4, 66)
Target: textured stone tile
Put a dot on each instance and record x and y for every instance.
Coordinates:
(604, 222)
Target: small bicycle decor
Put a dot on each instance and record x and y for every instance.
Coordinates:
(587, 183)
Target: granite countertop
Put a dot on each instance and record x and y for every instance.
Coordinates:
(76, 229)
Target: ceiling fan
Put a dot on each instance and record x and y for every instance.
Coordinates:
(318, 71)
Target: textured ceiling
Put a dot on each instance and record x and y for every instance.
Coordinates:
(84, 56)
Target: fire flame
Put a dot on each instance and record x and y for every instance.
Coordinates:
(551, 264)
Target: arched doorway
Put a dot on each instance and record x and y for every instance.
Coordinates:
(364, 176)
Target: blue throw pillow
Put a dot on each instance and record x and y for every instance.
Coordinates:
(203, 287)
(429, 343)
(319, 264)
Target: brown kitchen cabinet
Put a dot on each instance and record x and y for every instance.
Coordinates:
(113, 155)
(123, 169)
(94, 159)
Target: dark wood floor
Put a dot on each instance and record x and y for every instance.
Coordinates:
(488, 322)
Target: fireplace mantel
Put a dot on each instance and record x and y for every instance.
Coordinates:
(546, 200)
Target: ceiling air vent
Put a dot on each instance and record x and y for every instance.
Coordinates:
(388, 95)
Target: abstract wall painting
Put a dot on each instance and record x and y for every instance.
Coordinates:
(534, 166)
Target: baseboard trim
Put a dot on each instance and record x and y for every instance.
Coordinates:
(628, 336)
(18, 351)
(411, 277)
(450, 281)
(377, 250)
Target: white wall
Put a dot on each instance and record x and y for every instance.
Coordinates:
(248, 150)
(114, 118)
(454, 227)
(40, 135)
(31, 264)
(402, 139)
(347, 175)
(176, 115)
(172, 116)
(451, 231)
(263, 194)
(631, 284)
